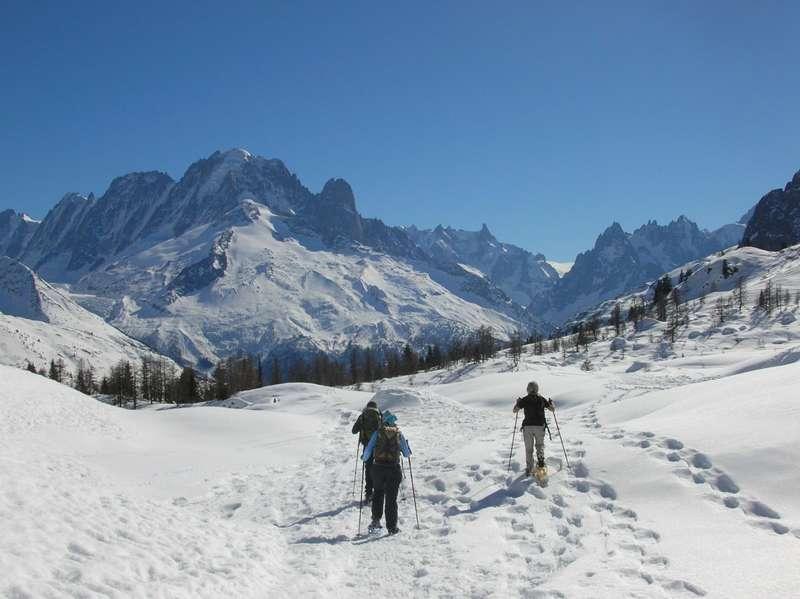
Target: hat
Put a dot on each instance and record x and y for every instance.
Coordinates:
(389, 418)
(533, 387)
(371, 404)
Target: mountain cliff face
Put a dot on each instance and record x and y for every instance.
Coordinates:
(775, 221)
(623, 261)
(239, 255)
(16, 230)
(520, 274)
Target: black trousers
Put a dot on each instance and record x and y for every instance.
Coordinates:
(368, 476)
(386, 478)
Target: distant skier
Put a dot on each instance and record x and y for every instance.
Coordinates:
(366, 424)
(385, 447)
(533, 425)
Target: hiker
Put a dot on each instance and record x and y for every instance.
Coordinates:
(385, 447)
(367, 423)
(533, 425)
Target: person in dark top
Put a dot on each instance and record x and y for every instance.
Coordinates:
(533, 425)
(366, 424)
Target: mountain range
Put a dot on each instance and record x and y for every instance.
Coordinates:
(238, 255)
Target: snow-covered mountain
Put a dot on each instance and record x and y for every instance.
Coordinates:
(239, 255)
(775, 221)
(623, 261)
(39, 323)
(247, 283)
(519, 273)
(16, 229)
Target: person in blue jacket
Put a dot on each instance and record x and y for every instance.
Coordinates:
(385, 447)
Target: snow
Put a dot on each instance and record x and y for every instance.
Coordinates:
(277, 288)
(561, 268)
(682, 482)
(39, 323)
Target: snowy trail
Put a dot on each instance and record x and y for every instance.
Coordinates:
(484, 532)
(650, 507)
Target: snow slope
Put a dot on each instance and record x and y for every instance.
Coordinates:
(39, 323)
(259, 288)
(682, 480)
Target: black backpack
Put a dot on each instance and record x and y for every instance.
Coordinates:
(371, 421)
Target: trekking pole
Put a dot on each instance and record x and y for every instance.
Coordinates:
(361, 500)
(560, 437)
(402, 481)
(355, 466)
(413, 490)
(513, 436)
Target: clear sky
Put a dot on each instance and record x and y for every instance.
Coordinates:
(546, 121)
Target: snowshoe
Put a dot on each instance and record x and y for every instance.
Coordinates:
(375, 526)
(541, 474)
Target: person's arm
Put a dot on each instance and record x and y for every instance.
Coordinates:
(405, 448)
(370, 447)
(357, 425)
(548, 403)
(516, 405)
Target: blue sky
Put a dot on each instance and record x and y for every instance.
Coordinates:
(546, 122)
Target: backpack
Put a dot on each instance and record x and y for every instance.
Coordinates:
(387, 447)
(371, 421)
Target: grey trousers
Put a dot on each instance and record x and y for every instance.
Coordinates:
(531, 435)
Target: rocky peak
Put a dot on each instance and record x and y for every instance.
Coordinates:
(134, 183)
(338, 193)
(794, 183)
(613, 235)
(775, 223)
(16, 229)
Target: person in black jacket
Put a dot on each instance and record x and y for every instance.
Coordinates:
(367, 423)
(533, 426)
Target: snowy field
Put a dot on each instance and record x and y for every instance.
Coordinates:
(683, 483)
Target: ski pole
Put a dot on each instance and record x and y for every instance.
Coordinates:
(355, 466)
(402, 484)
(361, 500)
(413, 490)
(513, 436)
(560, 436)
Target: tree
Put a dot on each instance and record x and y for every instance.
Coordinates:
(661, 291)
(739, 293)
(187, 386)
(728, 270)
(616, 319)
(410, 360)
(57, 368)
(356, 376)
(84, 379)
(275, 372)
(30, 367)
(721, 310)
(515, 351)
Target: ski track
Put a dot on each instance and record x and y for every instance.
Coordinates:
(537, 530)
